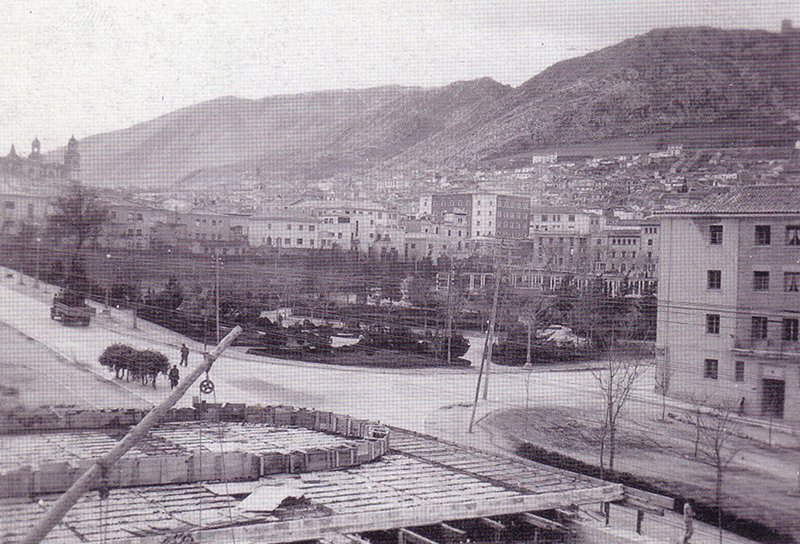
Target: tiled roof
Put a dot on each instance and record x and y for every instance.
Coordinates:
(751, 199)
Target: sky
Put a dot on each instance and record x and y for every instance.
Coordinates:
(83, 67)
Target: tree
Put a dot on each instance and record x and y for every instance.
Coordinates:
(616, 382)
(78, 216)
(718, 430)
(534, 309)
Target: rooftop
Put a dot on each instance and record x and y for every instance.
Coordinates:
(748, 200)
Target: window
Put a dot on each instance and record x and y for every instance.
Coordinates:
(712, 323)
(762, 235)
(739, 371)
(790, 329)
(711, 367)
(759, 328)
(311, 228)
(760, 281)
(30, 210)
(299, 241)
(288, 227)
(571, 218)
(715, 279)
(791, 282)
(793, 235)
(287, 241)
(715, 232)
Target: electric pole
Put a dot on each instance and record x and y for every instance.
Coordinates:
(216, 289)
(449, 314)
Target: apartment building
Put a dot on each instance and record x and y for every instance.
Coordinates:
(565, 219)
(489, 215)
(284, 230)
(729, 301)
(434, 239)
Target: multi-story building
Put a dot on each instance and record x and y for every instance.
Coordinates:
(22, 211)
(284, 230)
(135, 226)
(374, 229)
(434, 239)
(728, 301)
(564, 219)
(489, 215)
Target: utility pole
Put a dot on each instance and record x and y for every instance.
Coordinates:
(449, 314)
(38, 251)
(216, 289)
(492, 325)
(89, 478)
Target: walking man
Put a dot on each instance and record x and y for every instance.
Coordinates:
(688, 520)
(184, 355)
(174, 377)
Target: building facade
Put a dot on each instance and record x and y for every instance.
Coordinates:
(728, 302)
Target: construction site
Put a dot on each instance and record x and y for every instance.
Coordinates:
(232, 473)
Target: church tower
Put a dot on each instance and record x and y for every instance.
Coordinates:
(12, 154)
(72, 160)
(36, 149)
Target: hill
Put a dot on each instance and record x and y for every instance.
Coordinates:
(709, 86)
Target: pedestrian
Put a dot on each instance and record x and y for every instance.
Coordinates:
(688, 520)
(174, 377)
(184, 355)
(741, 407)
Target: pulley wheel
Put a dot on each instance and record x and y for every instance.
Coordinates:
(206, 387)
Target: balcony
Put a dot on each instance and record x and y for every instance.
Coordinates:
(768, 348)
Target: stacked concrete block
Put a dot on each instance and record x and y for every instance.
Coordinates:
(283, 416)
(274, 462)
(160, 461)
(18, 483)
(55, 477)
(232, 411)
(181, 414)
(297, 462)
(257, 414)
(317, 459)
(304, 418)
(326, 422)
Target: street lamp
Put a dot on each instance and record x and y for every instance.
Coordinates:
(38, 251)
(108, 287)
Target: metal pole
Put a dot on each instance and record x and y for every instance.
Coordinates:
(478, 385)
(85, 482)
(216, 269)
(490, 332)
(449, 317)
(38, 251)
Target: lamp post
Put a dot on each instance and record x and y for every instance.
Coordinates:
(38, 251)
(108, 287)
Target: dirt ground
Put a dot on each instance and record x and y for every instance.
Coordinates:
(32, 375)
(661, 452)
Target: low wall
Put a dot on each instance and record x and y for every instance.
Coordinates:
(369, 441)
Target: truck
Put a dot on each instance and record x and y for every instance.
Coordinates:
(70, 308)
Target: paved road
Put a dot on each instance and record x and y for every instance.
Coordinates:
(398, 397)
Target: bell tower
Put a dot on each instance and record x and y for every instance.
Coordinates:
(36, 149)
(72, 160)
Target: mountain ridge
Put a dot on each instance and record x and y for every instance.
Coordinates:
(666, 78)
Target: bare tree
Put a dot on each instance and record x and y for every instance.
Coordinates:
(78, 216)
(718, 429)
(699, 405)
(616, 382)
